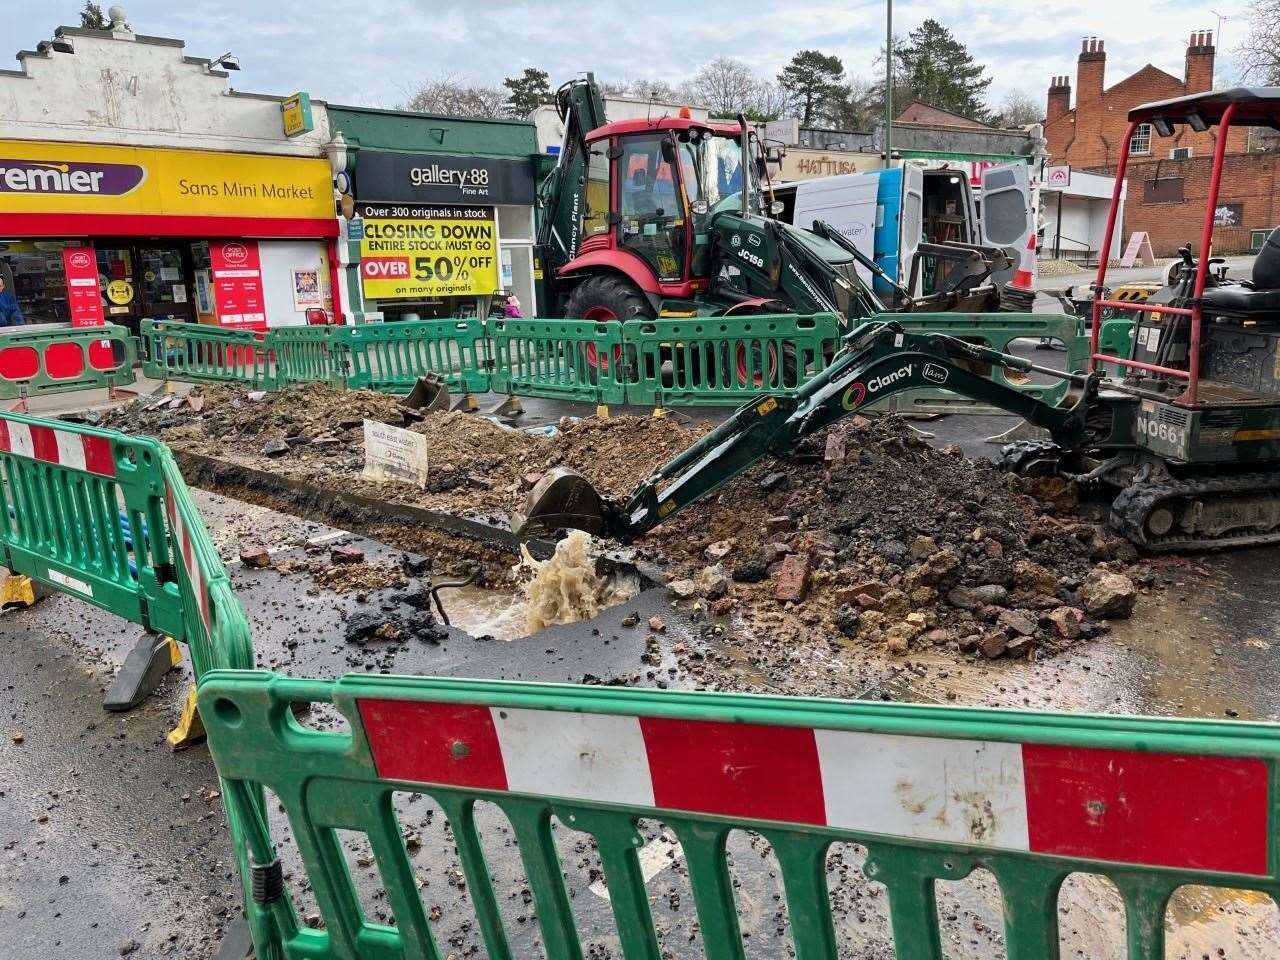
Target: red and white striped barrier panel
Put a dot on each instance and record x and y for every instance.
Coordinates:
(64, 448)
(185, 551)
(1120, 806)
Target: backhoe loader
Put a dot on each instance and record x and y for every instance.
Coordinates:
(1189, 436)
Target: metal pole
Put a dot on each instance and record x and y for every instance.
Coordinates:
(1105, 253)
(1057, 240)
(1206, 249)
(888, 84)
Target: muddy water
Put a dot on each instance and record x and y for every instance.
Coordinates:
(495, 613)
(567, 588)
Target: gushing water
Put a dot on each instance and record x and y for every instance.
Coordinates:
(566, 588)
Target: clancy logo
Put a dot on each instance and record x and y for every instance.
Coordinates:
(102, 179)
(854, 397)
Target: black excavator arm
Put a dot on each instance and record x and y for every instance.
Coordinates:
(878, 360)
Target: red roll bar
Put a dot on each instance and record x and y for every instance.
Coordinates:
(1195, 312)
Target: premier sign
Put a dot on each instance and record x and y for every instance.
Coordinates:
(101, 179)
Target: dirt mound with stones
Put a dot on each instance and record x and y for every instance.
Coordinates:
(477, 467)
(870, 534)
(866, 534)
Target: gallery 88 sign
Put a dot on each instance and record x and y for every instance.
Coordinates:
(435, 178)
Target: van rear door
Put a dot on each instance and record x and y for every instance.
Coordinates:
(1008, 219)
(911, 227)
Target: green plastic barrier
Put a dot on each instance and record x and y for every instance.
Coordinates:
(200, 353)
(932, 793)
(725, 360)
(308, 355)
(561, 359)
(1115, 339)
(59, 359)
(998, 331)
(79, 503)
(391, 356)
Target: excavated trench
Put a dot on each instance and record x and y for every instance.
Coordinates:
(514, 589)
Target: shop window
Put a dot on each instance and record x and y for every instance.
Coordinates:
(33, 272)
(1140, 142)
(1164, 190)
(515, 223)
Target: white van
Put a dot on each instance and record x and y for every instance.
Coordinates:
(888, 214)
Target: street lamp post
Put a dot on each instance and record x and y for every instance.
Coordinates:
(888, 84)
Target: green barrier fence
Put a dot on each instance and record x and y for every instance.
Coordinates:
(725, 360)
(561, 359)
(59, 359)
(1115, 339)
(391, 356)
(308, 355)
(932, 793)
(201, 353)
(998, 331)
(79, 504)
(107, 518)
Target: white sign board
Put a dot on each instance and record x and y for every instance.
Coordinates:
(1057, 177)
(785, 131)
(394, 455)
(1139, 248)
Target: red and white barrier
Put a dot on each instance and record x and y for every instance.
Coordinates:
(1120, 806)
(65, 448)
(186, 553)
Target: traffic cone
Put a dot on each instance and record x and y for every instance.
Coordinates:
(1019, 294)
(1025, 277)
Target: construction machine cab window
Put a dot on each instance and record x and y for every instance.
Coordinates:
(653, 213)
(595, 218)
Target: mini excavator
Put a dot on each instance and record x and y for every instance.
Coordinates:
(1188, 436)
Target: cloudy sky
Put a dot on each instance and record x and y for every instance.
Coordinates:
(372, 51)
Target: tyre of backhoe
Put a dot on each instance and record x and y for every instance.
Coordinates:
(607, 298)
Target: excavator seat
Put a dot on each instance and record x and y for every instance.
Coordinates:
(1258, 298)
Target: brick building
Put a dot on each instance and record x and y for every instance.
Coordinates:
(1168, 177)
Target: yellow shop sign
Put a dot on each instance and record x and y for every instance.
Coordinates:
(53, 178)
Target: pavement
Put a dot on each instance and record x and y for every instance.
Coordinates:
(1239, 267)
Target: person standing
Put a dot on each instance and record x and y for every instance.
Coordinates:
(10, 312)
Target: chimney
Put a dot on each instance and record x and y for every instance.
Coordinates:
(1059, 98)
(1089, 71)
(1200, 51)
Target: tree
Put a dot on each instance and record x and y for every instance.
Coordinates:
(92, 17)
(448, 96)
(937, 69)
(856, 107)
(1259, 54)
(724, 86)
(527, 92)
(813, 81)
(1018, 110)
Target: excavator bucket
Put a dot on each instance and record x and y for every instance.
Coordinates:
(561, 499)
(429, 393)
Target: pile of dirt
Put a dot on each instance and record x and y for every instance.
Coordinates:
(477, 467)
(867, 535)
(871, 535)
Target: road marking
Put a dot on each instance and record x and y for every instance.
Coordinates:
(655, 856)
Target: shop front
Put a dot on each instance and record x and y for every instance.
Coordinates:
(92, 234)
(443, 236)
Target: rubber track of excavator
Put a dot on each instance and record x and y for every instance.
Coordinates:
(1130, 509)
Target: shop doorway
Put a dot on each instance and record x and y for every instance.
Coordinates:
(141, 281)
